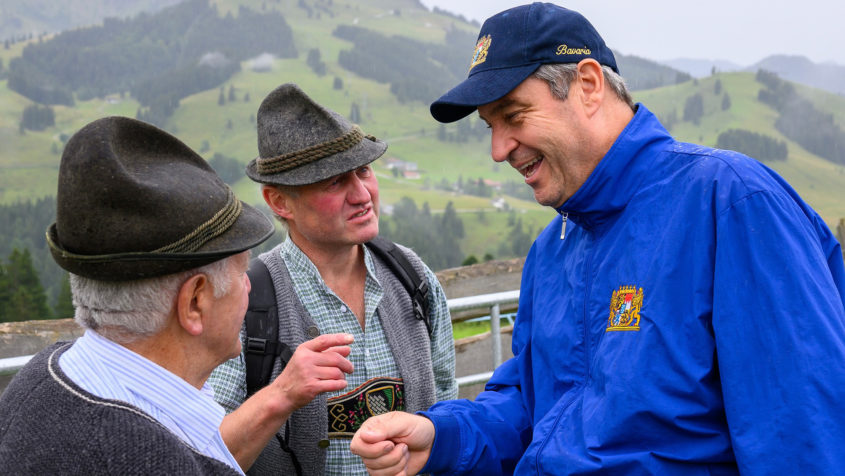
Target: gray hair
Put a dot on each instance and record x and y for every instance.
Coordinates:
(124, 311)
(560, 76)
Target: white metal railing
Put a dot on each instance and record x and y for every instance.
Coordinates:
(494, 301)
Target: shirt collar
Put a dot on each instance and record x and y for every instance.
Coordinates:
(298, 261)
(189, 413)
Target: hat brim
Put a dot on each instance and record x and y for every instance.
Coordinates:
(356, 156)
(250, 229)
(478, 89)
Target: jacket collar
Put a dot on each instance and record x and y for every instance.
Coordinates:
(620, 173)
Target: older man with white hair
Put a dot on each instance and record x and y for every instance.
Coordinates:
(157, 249)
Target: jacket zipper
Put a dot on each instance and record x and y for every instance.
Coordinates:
(564, 216)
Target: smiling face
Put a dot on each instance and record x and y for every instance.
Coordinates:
(337, 212)
(545, 139)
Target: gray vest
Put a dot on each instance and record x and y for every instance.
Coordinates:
(408, 339)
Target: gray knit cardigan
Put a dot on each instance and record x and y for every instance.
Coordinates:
(49, 425)
(308, 426)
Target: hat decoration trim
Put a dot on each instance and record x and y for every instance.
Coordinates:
(291, 160)
(214, 227)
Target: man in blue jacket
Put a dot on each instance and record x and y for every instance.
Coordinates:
(683, 315)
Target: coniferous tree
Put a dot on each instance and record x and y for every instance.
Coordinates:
(64, 302)
(355, 113)
(694, 108)
(726, 102)
(451, 223)
(27, 300)
(470, 260)
(4, 292)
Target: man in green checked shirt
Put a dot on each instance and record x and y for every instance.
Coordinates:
(314, 167)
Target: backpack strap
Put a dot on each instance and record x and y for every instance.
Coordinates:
(262, 329)
(398, 263)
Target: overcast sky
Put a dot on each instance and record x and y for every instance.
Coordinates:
(741, 31)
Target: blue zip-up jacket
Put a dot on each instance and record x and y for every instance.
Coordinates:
(690, 322)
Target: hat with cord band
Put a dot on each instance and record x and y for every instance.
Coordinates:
(301, 142)
(134, 202)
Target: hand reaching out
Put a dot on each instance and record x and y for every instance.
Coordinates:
(395, 443)
(316, 366)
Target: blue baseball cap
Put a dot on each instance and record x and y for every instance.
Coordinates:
(512, 45)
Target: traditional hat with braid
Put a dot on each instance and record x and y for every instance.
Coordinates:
(134, 202)
(301, 142)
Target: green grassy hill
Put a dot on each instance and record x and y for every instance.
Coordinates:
(29, 161)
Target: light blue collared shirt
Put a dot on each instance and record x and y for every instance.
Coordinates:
(109, 370)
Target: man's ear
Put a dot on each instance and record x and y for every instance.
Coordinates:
(277, 201)
(591, 82)
(192, 302)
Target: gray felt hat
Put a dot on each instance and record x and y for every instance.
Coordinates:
(134, 202)
(301, 142)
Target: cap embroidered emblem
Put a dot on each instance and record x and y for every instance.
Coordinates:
(480, 53)
(625, 305)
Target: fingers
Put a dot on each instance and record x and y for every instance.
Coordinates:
(327, 341)
(344, 350)
(388, 426)
(317, 366)
(377, 440)
(393, 462)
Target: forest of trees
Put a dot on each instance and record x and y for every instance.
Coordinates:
(159, 58)
(38, 118)
(22, 296)
(416, 71)
(760, 146)
(435, 238)
(32, 286)
(800, 121)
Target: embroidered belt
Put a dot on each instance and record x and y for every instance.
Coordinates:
(348, 412)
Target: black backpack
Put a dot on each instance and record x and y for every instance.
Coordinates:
(262, 320)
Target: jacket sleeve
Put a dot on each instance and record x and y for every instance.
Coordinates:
(779, 324)
(488, 435)
(481, 436)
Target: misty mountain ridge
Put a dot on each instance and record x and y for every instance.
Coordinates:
(701, 68)
(828, 76)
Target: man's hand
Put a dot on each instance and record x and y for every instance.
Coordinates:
(317, 366)
(396, 443)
